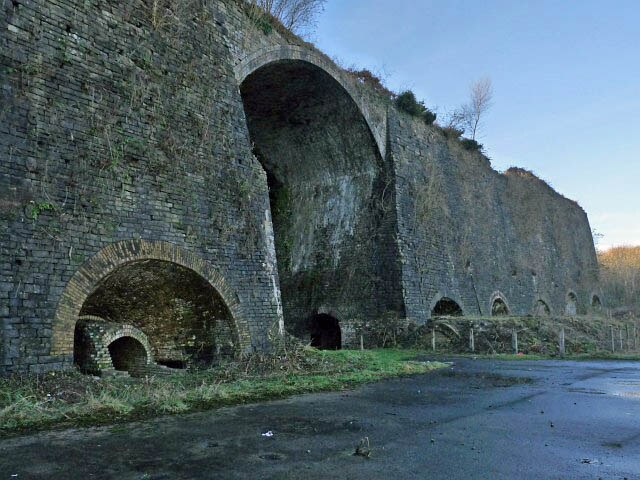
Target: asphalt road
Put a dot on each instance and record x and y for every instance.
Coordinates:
(482, 419)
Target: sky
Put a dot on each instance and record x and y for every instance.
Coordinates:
(566, 81)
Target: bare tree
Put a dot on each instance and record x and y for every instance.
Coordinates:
(296, 15)
(456, 119)
(481, 96)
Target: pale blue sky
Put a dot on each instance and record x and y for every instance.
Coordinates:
(566, 78)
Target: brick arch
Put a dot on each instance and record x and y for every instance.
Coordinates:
(281, 53)
(88, 277)
(498, 295)
(442, 294)
(110, 334)
(133, 332)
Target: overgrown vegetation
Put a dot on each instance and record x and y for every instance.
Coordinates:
(35, 209)
(584, 335)
(471, 145)
(298, 16)
(373, 80)
(66, 399)
(407, 102)
(620, 279)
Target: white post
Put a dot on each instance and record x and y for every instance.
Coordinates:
(433, 339)
(621, 341)
(514, 341)
(626, 327)
(613, 340)
(472, 343)
(562, 341)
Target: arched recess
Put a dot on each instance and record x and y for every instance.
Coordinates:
(541, 308)
(294, 53)
(329, 191)
(445, 306)
(571, 306)
(90, 276)
(498, 305)
(596, 303)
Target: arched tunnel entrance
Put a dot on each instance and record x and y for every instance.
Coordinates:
(325, 332)
(446, 307)
(328, 191)
(183, 317)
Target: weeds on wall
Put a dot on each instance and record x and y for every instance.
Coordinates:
(407, 102)
(35, 209)
(370, 79)
(471, 145)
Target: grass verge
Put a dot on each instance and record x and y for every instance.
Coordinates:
(59, 400)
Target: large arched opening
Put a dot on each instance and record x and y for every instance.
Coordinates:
(182, 315)
(177, 302)
(328, 191)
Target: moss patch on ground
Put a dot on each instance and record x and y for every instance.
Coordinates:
(59, 400)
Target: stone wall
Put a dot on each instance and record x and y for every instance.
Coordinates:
(190, 136)
(115, 125)
(475, 235)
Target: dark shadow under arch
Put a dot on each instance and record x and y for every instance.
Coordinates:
(325, 332)
(128, 355)
(446, 307)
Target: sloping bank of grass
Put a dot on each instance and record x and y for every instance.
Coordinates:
(57, 400)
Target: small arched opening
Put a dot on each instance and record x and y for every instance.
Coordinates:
(499, 308)
(571, 307)
(542, 309)
(325, 332)
(446, 307)
(595, 302)
(128, 355)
